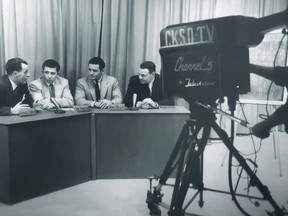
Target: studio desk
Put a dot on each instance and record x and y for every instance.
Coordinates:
(47, 152)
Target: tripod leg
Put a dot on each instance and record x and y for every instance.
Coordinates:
(256, 181)
(155, 197)
(186, 157)
(185, 168)
(189, 171)
(175, 155)
(204, 140)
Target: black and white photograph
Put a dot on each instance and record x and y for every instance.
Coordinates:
(143, 107)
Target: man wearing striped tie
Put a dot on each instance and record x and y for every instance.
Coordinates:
(51, 85)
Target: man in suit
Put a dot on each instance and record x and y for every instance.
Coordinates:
(14, 92)
(51, 85)
(146, 87)
(97, 89)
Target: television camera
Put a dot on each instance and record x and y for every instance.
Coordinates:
(202, 62)
(207, 60)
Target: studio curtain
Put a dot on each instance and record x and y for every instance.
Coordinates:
(2, 52)
(69, 30)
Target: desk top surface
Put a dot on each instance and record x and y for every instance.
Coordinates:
(45, 115)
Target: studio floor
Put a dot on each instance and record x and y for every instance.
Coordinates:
(126, 197)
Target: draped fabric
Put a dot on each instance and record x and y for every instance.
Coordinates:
(69, 30)
(2, 53)
(65, 30)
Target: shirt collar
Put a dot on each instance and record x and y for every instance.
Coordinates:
(48, 84)
(14, 85)
(98, 80)
(151, 83)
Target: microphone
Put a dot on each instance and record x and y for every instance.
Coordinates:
(58, 109)
(134, 103)
(134, 99)
(55, 102)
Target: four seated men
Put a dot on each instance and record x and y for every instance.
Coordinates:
(97, 89)
(94, 90)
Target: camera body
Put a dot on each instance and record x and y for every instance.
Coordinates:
(200, 71)
(208, 59)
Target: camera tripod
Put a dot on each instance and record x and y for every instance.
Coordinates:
(187, 155)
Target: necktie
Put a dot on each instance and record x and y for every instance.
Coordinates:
(16, 90)
(17, 94)
(52, 91)
(150, 89)
(148, 92)
(97, 90)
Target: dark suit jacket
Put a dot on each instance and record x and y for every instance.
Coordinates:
(7, 97)
(142, 91)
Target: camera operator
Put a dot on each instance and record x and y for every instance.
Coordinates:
(279, 75)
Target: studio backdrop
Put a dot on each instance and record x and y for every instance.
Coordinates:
(70, 32)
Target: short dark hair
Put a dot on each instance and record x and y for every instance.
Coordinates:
(51, 63)
(97, 60)
(14, 64)
(148, 65)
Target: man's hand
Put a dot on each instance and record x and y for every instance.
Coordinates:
(149, 103)
(103, 104)
(48, 104)
(16, 109)
(43, 104)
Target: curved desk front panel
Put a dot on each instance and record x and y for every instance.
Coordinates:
(47, 152)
